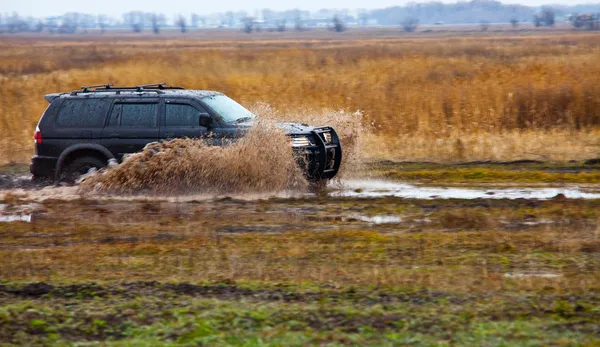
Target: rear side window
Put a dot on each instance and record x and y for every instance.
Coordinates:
(134, 115)
(83, 113)
(182, 115)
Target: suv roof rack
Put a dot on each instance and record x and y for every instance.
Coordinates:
(87, 89)
(162, 85)
(154, 87)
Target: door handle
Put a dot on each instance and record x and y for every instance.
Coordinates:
(113, 136)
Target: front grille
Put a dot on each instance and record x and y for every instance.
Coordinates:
(330, 159)
(300, 141)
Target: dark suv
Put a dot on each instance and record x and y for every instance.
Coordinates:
(86, 128)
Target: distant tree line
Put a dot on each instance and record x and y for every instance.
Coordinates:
(472, 12)
(74, 22)
(409, 17)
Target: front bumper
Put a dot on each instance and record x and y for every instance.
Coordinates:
(323, 159)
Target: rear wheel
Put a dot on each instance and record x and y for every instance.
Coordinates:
(81, 166)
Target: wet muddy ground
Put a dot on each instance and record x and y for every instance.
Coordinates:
(374, 261)
(516, 180)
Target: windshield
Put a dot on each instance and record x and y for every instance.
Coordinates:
(229, 110)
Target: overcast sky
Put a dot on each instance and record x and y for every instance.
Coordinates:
(42, 8)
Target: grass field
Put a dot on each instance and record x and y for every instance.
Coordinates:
(302, 271)
(437, 98)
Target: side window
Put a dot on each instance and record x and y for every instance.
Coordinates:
(138, 115)
(115, 115)
(82, 113)
(182, 115)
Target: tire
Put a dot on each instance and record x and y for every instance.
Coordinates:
(81, 166)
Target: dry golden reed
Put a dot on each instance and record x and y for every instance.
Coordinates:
(431, 90)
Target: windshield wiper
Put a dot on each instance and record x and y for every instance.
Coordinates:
(243, 119)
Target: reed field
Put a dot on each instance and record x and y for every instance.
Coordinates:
(445, 99)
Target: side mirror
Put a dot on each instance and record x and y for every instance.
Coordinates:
(205, 120)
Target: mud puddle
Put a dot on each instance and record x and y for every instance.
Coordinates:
(15, 218)
(357, 188)
(380, 219)
(377, 188)
(17, 213)
(532, 274)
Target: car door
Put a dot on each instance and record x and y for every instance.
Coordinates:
(182, 119)
(132, 124)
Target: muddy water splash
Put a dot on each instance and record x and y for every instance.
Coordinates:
(259, 162)
(349, 126)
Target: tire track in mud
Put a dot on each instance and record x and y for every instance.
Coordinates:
(277, 293)
(44, 290)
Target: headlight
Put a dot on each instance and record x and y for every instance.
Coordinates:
(327, 137)
(300, 141)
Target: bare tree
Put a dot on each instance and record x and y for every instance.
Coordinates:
(410, 24)
(16, 24)
(514, 22)
(87, 21)
(155, 24)
(548, 16)
(39, 27)
(102, 23)
(298, 22)
(280, 25)
(181, 23)
(51, 26)
(338, 24)
(70, 23)
(135, 20)
(248, 24)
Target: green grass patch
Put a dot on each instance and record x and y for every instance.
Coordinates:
(490, 172)
(392, 317)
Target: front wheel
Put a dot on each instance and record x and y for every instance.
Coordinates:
(80, 167)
